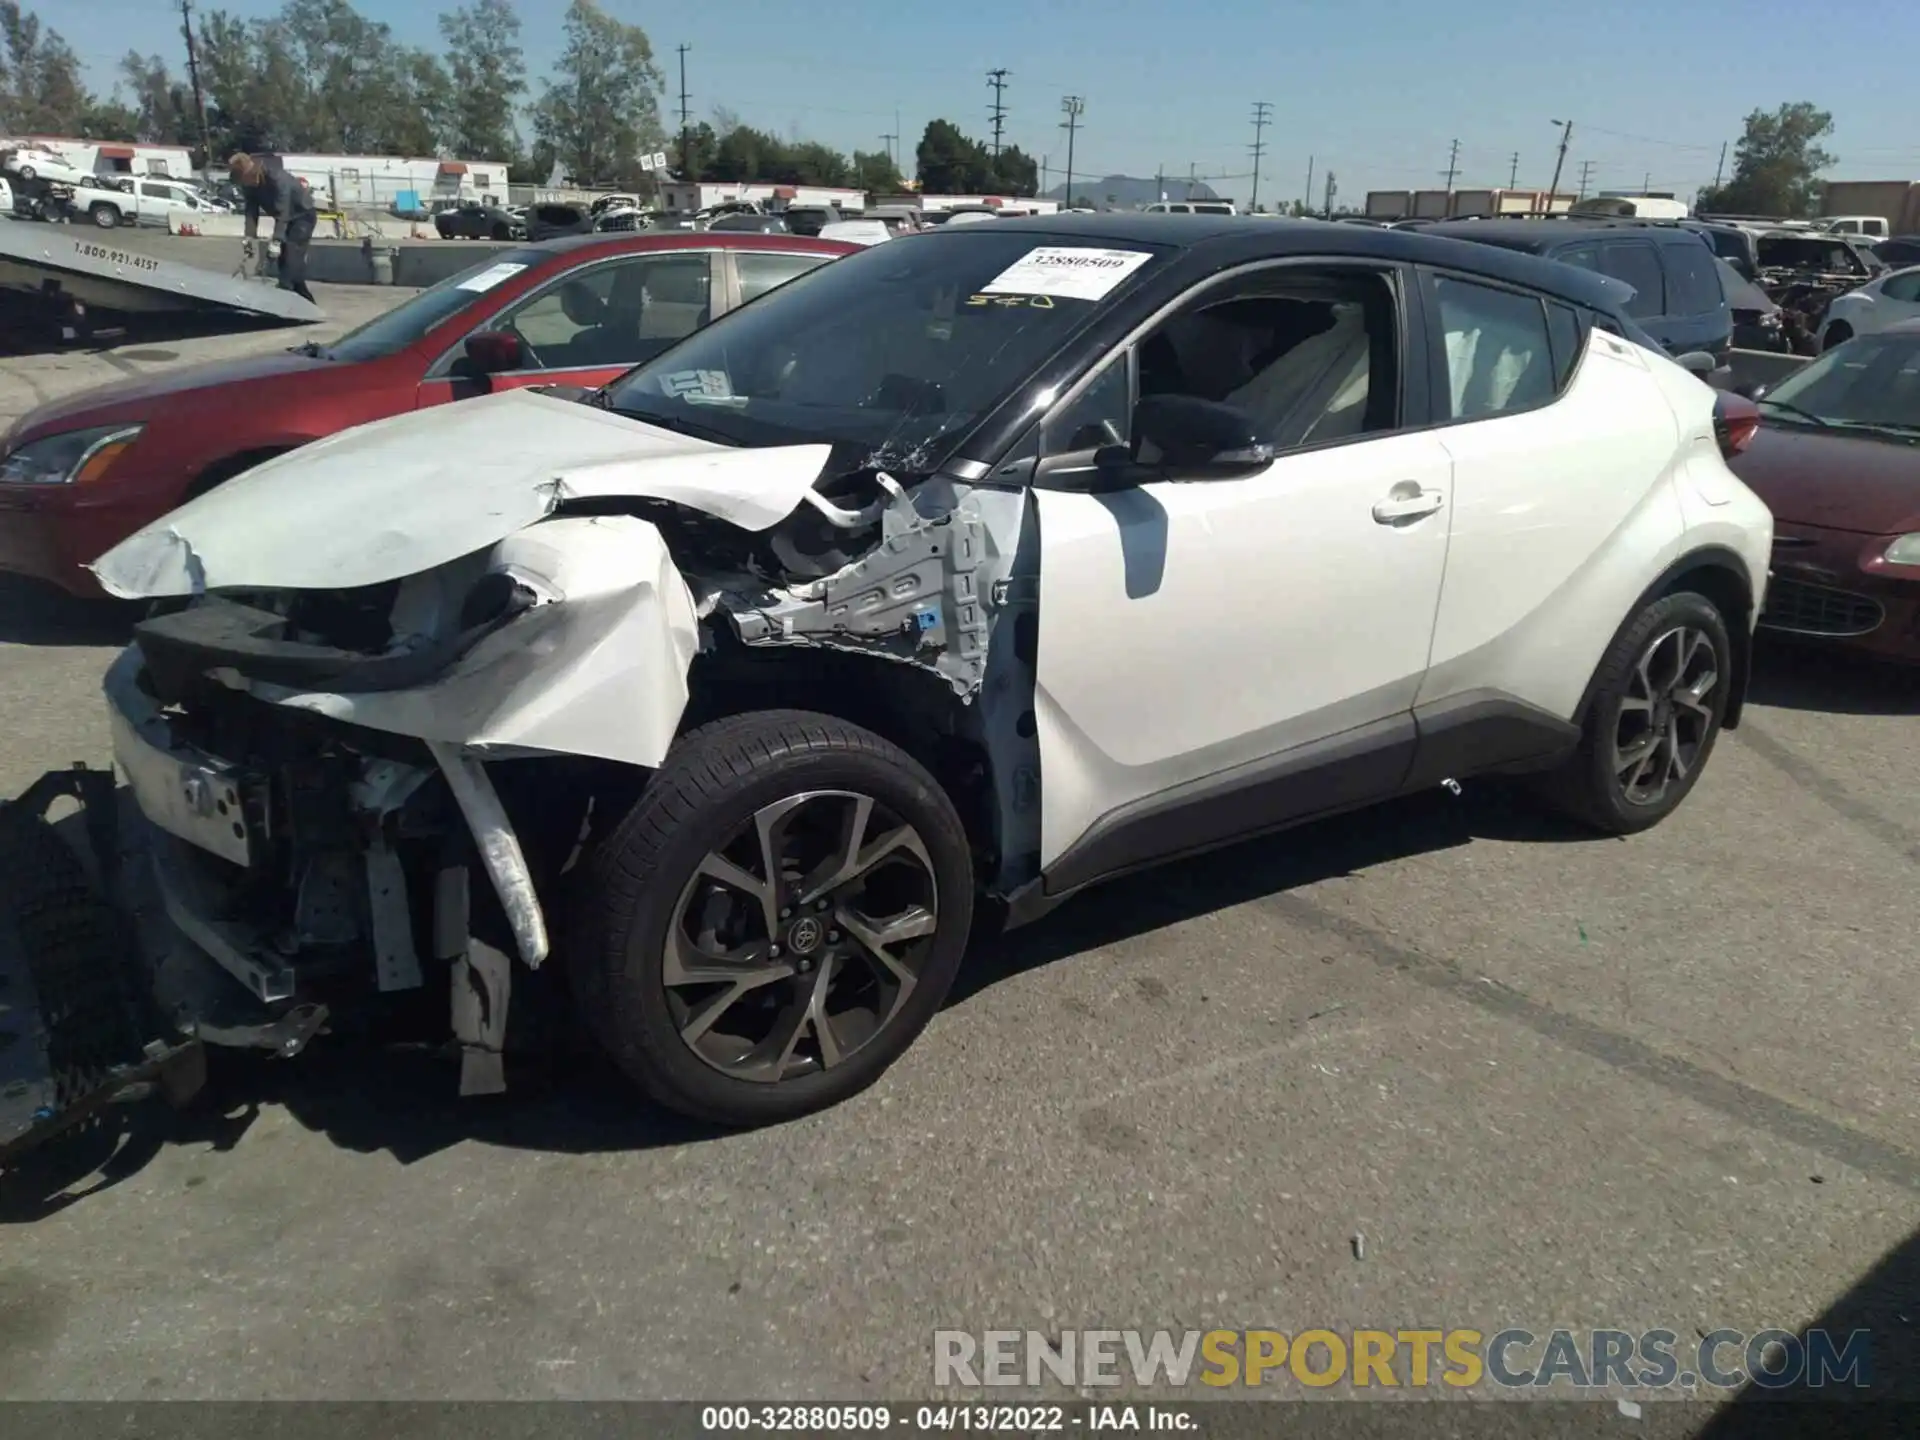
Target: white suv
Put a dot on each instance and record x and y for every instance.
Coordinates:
(983, 566)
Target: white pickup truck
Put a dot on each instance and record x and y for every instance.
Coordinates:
(144, 200)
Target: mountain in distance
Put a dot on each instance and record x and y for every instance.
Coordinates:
(1126, 192)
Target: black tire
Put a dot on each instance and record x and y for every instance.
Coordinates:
(1589, 786)
(104, 215)
(502, 232)
(635, 884)
(1837, 333)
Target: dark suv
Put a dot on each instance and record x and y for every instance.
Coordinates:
(1677, 298)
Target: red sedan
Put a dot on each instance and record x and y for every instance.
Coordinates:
(1838, 463)
(79, 475)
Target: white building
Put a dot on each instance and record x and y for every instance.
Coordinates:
(103, 158)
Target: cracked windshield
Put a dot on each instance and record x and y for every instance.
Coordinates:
(1017, 720)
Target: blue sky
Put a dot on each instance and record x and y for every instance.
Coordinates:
(1375, 89)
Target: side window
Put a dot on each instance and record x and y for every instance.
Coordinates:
(764, 271)
(1693, 284)
(1569, 337)
(1903, 287)
(1587, 257)
(1308, 357)
(1635, 262)
(156, 192)
(1499, 358)
(1101, 415)
(619, 313)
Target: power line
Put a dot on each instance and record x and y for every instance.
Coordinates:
(1262, 117)
(686, 116)
(998, 110)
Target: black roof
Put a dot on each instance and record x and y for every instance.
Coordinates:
(1235, 239)
(1538, 235)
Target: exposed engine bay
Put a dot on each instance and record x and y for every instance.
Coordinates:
(370, 798)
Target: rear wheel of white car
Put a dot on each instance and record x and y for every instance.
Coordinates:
(776, 919)
(1658, 701)
(1838, 333)
(104, 215)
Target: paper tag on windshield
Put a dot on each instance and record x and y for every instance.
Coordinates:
(491, 276)
(1071, 272)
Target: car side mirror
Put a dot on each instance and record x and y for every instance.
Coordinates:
(1199, 436)
(1697, 362)
(492, 352)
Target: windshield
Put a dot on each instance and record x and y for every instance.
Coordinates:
(398, 328)
(1873, 381)
(893, 349)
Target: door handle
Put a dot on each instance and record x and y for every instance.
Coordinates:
(1407, 501)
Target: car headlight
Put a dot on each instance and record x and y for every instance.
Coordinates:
(67, 458)
(1904, 551)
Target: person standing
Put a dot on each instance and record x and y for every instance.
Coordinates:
(270, 190)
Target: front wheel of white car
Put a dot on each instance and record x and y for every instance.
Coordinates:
(1658, 700)
(776, 919)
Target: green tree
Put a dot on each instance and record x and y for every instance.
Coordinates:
(488, 74)
(1016, 173)
(875, 173)
(40, 86)
(256, 89)
(601, 111)
(950, 163)
(109, 120)
(1776, 165)
(161, 104)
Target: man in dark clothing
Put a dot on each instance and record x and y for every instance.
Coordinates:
(270, 190)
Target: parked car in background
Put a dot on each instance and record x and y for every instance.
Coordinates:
(746, 222)
(82, 472)
(1874, 227)
(1678, 298)
(1191, 207)
(32, 162)
(858, 232)
(473, 220)
(1877, 305)
(810, 219)
(1838, 462)
(816, 617)
(1758, 323)
(551, 220)
(140, 200)
(1899, 252)
(1731, 243)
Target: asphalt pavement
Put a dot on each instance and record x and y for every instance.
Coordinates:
(1549, 1080)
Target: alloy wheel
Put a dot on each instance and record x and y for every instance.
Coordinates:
(800, 938)
(1666, 715)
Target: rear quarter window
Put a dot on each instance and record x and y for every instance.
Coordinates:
(1693, 285)
(1638, 264)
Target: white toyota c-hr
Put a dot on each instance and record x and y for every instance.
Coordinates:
(991, 563)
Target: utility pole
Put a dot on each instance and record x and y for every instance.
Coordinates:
(1719, 169)
(1159, 181)
(1332, 190)
(1262, 117)
(1043, 175)
(193, 77)
(1073, 107)
(1646, 184)
(686, 117)
(1453, 165)
(1192, 178)
(1566, 135)
(1586, 169)
(1513, 175)
(893, 160)
(1306, 195)
(998, 110)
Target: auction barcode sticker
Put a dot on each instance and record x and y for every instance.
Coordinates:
(491, 276)
(1070, 272)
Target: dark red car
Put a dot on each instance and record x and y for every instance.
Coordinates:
(79, 475)
(1838, 462)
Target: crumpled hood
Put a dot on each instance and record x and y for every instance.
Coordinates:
(404, 495)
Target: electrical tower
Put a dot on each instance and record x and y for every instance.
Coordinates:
(1073, 107)
(1513, 175)
(1453, 164)
(686, 117)
(888, 140)
(1262, 117)
(997, 79)
(199, 97)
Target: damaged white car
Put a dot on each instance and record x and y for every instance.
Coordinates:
(977, 569)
